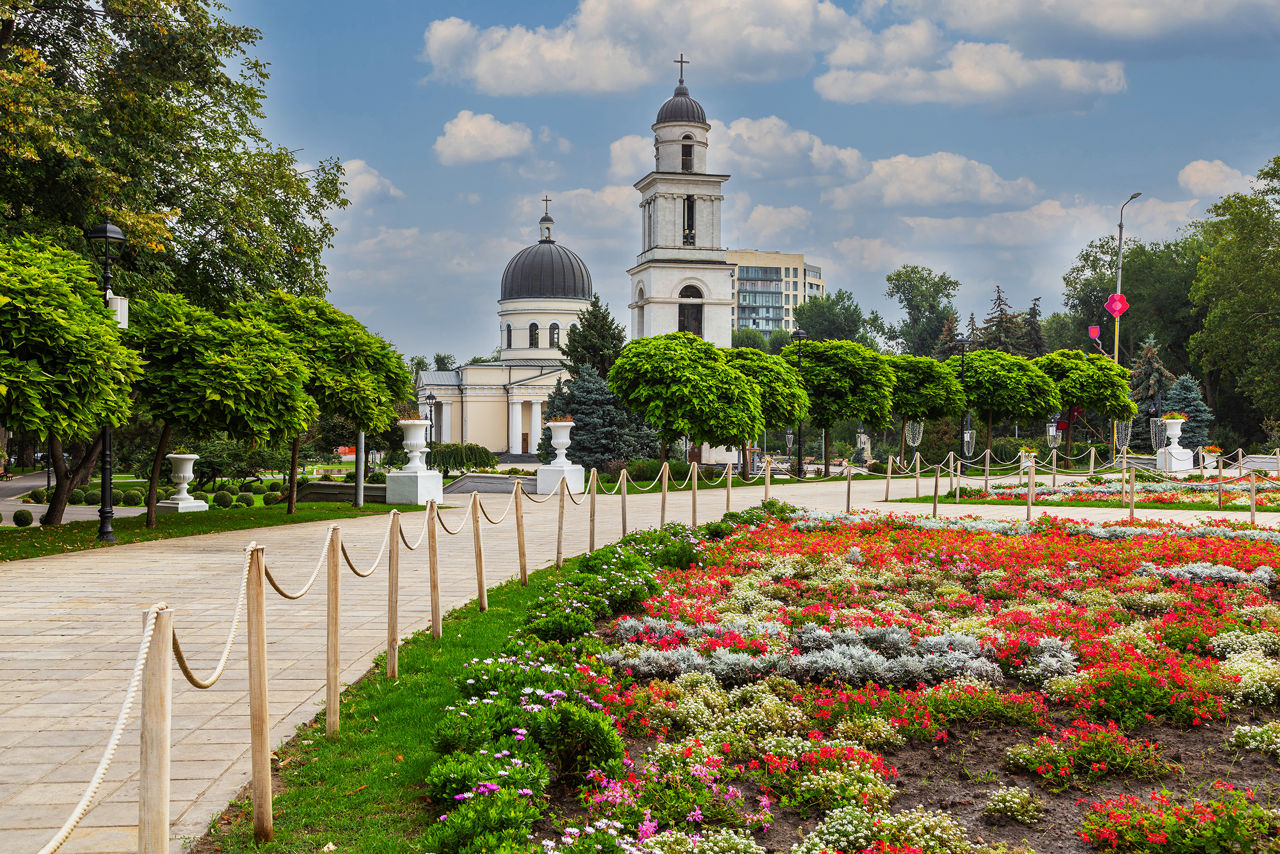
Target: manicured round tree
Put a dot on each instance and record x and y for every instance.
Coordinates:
(684, 386)
(1088, 382)
(783, 400)
(924, 389)
(844, 381)
(1002, 386)
(64, 372)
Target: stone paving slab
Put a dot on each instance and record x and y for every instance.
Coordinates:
(69, 634)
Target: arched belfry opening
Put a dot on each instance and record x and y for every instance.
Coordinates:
(690, 314)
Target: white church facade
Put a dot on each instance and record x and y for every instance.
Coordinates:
(681, 282)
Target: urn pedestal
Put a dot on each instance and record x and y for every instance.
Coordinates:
(1174, 457)
(415, 483)
(181, 474)
(550, 475)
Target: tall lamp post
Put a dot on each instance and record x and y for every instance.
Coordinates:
(431, 428)
(965, 446)
(799, 336)
(107, 242)
(1120, 269)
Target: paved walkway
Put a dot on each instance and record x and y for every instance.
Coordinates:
(70, 628)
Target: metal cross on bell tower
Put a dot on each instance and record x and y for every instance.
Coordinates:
(682, 62)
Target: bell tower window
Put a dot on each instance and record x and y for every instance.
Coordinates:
(533, 335)
(689, 318)
(554, 335)
(690, 226)
(686, 153)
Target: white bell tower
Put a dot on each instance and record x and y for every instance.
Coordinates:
(681, 281)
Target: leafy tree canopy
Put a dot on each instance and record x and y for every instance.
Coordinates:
(684, 385)
(924, 389)
(1089, 382)
(783, 400)
(845, 381)
(925, 297)
(778, 341)
(750, 338)
(838, 317)
(1003, 386)
(595, 339)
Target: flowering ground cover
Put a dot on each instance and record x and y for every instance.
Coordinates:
(1107, 492)
(802, 683)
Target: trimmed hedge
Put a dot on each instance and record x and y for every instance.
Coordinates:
(93, 496)
(132, 498)
(223, 499)
(75, 497)
(117, 497)
(22, 518)
(245, 498)
(37, 495)
(377, 477)
(200, 496)
(271, 498)
(258, 488)
(349, 477)
(275, 486)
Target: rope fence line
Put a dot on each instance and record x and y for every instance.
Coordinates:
(213, 678)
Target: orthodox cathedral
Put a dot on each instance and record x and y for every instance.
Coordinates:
(681, 282)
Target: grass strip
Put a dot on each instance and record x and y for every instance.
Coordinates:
(359, 791)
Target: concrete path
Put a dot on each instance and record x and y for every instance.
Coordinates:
(70, 628)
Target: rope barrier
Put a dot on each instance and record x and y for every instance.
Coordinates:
(386, 541)
(510, 501)
(569, 492)
(529, 495)
(185, 666)
(426, 518)
(314, 575)
(95, 782)
(440, 519)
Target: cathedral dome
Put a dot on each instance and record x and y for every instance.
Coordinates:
(681, 108)
(546, 270)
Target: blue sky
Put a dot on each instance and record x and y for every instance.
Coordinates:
(988, 138)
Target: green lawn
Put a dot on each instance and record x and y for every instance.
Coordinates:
(359, 791)
(18, 543)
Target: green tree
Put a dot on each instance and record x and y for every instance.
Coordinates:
(444, 362)
(604, 431)
(783, 400)
(924, 389)
(925, 297)
(1149, 382)
(750, 338)
(1002, 386)
(1238, 288)
(1064, 331)
(595, 339)
(1002, 329)
(948, 343)
(778, 341)
(838, 318)
(1088, 382)
(844, 380)
(1033, 344)
(64, 372)
(151, 112)
(208, 375)
(1185, 396)
(684, 386)
(353, 373)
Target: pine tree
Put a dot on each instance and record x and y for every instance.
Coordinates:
(604, 430)
(1185, 396)
(1033, 345)
(974, 333)
(1001, 330)
(1149, 383)
(946, 346)
(595, 339)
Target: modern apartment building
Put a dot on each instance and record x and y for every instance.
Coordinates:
(768, 285)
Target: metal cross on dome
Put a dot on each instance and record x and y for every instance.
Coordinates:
(546, 205)
(682, 62)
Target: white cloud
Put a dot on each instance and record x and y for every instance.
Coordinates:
(1052, 222)
(476, 138)
(970, 73)
(1212, 178)
(934, 179)
(767, 222)
(759, 148)
(630, 157)
(581, 210)
(871, 254)
(364, 183)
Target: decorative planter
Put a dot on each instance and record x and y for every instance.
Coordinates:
(1174, 457)
(1025, 459)
(415, 440)
(560, 469)
(1173, 429)
(181, 474)
(560, 440)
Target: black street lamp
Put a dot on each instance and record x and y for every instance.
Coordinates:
(799, 336)
(106, 241)
(431, 427)
(963, 343)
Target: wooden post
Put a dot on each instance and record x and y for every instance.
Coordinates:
(917, 474)
(662, 511)
(560, 525)
(433, 549)
(1053, 465)
(848, 488)
(959, 466)
(1253, 498)
(524, 560)
(1093, 456)
(1031, 484)
(153, 770)
(1133, 491)
(333, 643)
(888, 476)
(259, 715)
(482, 589)
(768, 472)
(937, 475)
(951, 470)
(693, 482)
(393, 599)
(1219, 482)
(986, 470)
(728, 488)
(624, 502)
(591, 514)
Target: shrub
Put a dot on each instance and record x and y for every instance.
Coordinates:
(301, 480)
(275, 486)
(271, 498)
(37, 495)
(200, 496)
(1161, 824)
(223, 499)
(117, 496)
(258, 488)
(76, 497)
(876, 467)
(132, 498)
(22, 518)
(561, 626)
(245, 498)
(349, 477)
(377, 477)
(92, 496)
(326, 478)
(491, 823)
(462, 771)
(1012, 802)
(457, 457)
(579, 740)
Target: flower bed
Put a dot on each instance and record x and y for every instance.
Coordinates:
(1110, 492)
(805, 685)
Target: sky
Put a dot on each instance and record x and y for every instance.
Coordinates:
(991, 139)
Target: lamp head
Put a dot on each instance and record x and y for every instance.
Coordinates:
(431, 399)
(106, 239)
(799, 335)
(1134, 196)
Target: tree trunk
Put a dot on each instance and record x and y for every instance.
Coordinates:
(990, 416)
(1070, 423)
(826, 452)
(154, 485)
(902, 441)
(68, 476)
(293, 478)
(662, 449)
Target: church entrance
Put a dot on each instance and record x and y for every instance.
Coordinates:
(689, 318)
(524, 443)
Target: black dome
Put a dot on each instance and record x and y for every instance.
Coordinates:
(546, 270)
(681, 108)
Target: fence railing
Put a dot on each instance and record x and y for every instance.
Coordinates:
(160, 646)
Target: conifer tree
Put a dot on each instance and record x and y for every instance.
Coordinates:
(974, 333)
(1033, 345)
(1149, 383)
(595, 339)
(946, 346)
(1002, 330)
(604, 431)
(1185, 396)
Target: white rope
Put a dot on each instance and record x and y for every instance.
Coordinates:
(386, 541)
(498, 521)
(440, 519)
(126, 707)
(426, 517)
(324, 552)
(231, 635)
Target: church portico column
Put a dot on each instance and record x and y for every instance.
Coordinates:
(444, 433)
(535, 424)
(514, 426)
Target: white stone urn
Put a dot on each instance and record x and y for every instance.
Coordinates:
(1173, 429)
(1025, 459)
(181, 474)
(560, 440)
(1174, 457)
(415, 440)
